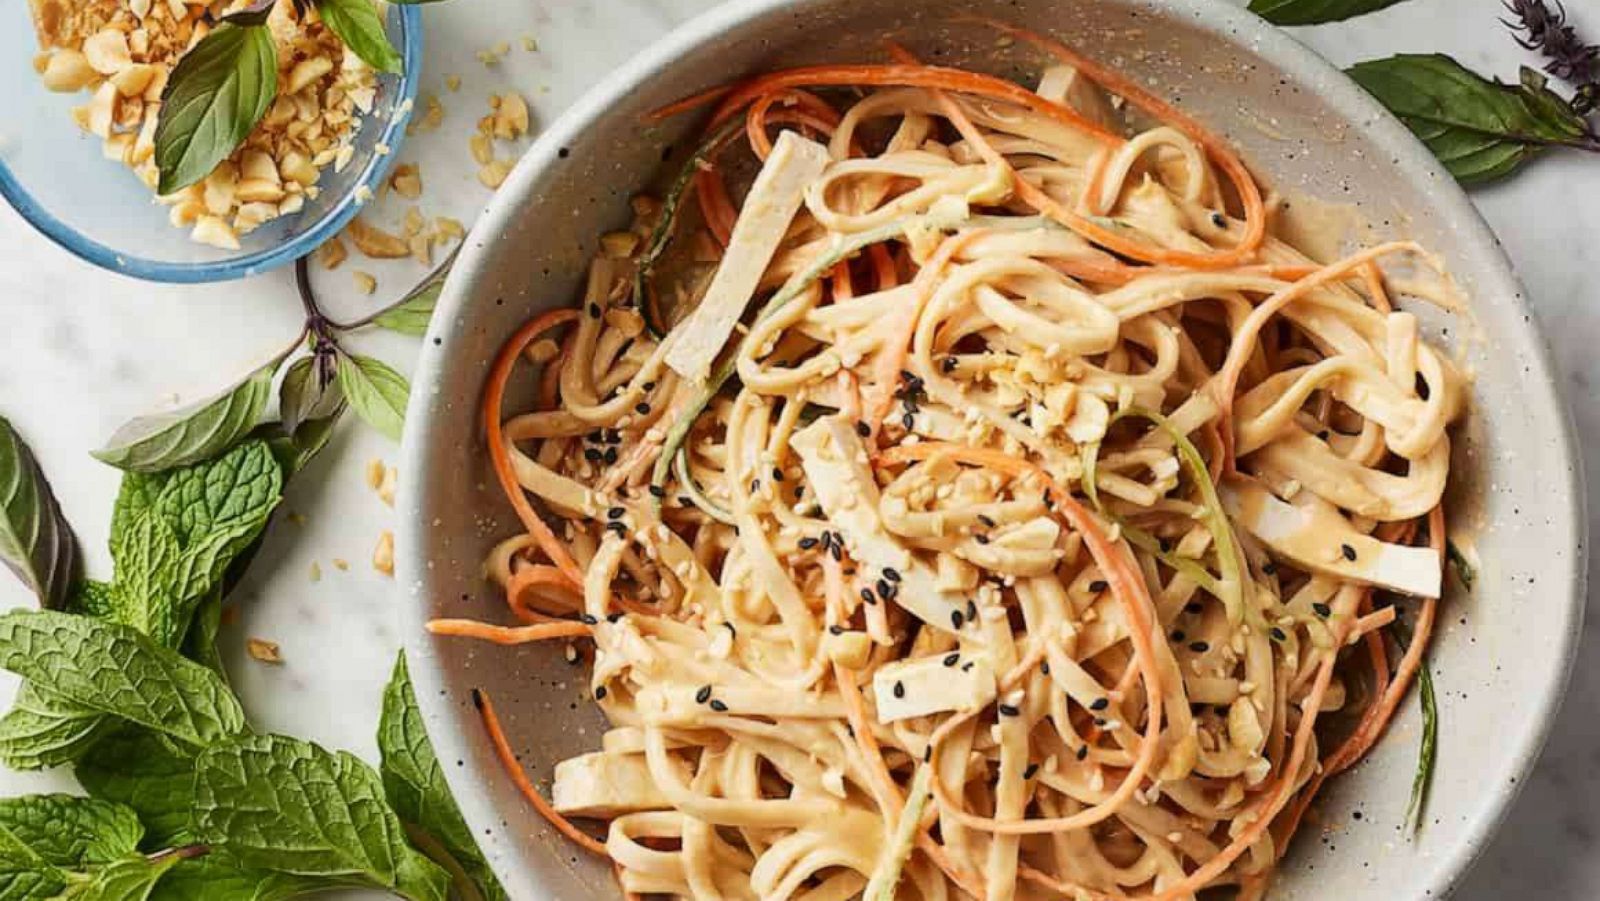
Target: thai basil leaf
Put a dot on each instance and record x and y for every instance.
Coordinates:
(137, 769)
(277, 803)
(72, 832)
(255, 12)
(307, 394)
(411, 316)
(415, 784)
(1427, 749)
(358, 24)
(377, 393)
(215, 95)
(195, 433)
(121, 672)
(36, 542)
(1315, 12)
(1479, 129)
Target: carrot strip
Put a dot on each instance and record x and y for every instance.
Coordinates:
(471, 628)
(494, 394)
(508, 759)
(712, 195)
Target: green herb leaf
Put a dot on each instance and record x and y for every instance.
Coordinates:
(215, 95)
(357, 23)
(24, 875)
(216, 878)
(95, 598)
(36, 542)
(127, 880)
(42, 730)
(415, 783)
(72, 832)
(195, 433)
(1314, 12)
(295, 453)
(119, 671)
(1459, 562)
(1427, 751)
(307, 396)
(137, 769)
(277, 803)
(200, 645)
(411, 316)
(1480, 129)
(377, 393)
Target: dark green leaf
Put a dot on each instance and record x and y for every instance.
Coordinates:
(95, 598)
(72, 832)
(253, 13)
(195, 433)
(36, 541)
(377, 393)
(415, 783)
(215, 95)
(127, 880)
(277, 803)
(1460, 563)
(357, 23)
(1480, 129)
(24, 875)
(200, 645)
(306, 395)
(1314, 12)
(42, 730)
(137, 769)
(121, 672)
(216, 878)
(1427, 750)
(411, 316)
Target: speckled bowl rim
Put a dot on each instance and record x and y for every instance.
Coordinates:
(477, 798)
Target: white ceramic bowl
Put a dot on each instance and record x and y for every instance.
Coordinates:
(1502, 657)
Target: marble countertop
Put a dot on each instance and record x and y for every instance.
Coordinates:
(82, 350)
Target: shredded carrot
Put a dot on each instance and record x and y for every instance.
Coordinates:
(494, 394)
(471, 628)
(508, 759)
(712, 195)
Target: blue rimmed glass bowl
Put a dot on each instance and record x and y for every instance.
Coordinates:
(55, 176)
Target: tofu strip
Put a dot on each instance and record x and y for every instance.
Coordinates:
(768, 209)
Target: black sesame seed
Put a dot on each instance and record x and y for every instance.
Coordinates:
(836, 629)
(1009, 710)
(777, 474)
(610, 456)
(966, 667)
(1269, 567)
(1348, 551)
(927, 753)
(1099, 703)
(1278, 634)
(731, 630)
(600, 693)
(718, 706)
(1098, 585)
(587, 619)
(955, 618)
(755, 485)
(1322, 610)
(642, 408)
(972, 610)
(613, 617)
(799, 492)
(1100, 722)
(1194, 607)
(1029, 772)
(863, 429)
(1083, 751)
(649, 386)
(952, 659)
(899, 689)
(868, 596)
(948, 364)
(836, 552)
(1177, 634)
(703, 695)
(591, 454)
(658, 491)
(1044, 667)
(986, 520)
(595, 436)
(1219, 220)
(615, 513)
(617, 527)
(807, 543)
(907, 421)
(613, 436)
(981, 538)
(1199, 647)
(1324, 434)
(891, 574)
(594, 311)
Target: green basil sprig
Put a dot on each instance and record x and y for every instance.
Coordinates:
(358, 24)
(194, 433)
(1479, 129)
(215, 95)
(36, 542)
(375, 391)
(1315, 12)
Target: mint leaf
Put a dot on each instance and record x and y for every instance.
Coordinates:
(200, 645)
(238, 488)
(216, 878)
(148, 561)
(36, 542)
(203, 430)
(24, 875)
(415, 783)
(72, 832)
(1479, 129)
(1315, 12)
(277, 803)
(96, 599)
(127, 880)
(119, 671)
(136, 769)
(42, 730)
(215, 95)
(356, 22)
(377, 393)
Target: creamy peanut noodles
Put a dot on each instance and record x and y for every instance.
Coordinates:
(964, 494)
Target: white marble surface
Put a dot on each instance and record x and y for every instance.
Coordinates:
(82, 350)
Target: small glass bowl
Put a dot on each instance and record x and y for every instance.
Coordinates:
(55, 175)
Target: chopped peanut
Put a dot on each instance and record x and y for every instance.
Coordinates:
(375, 242)
(493, 174)
(365, 283)
(332, 253)
(383, 554)
(406, 181)
(262, 650)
